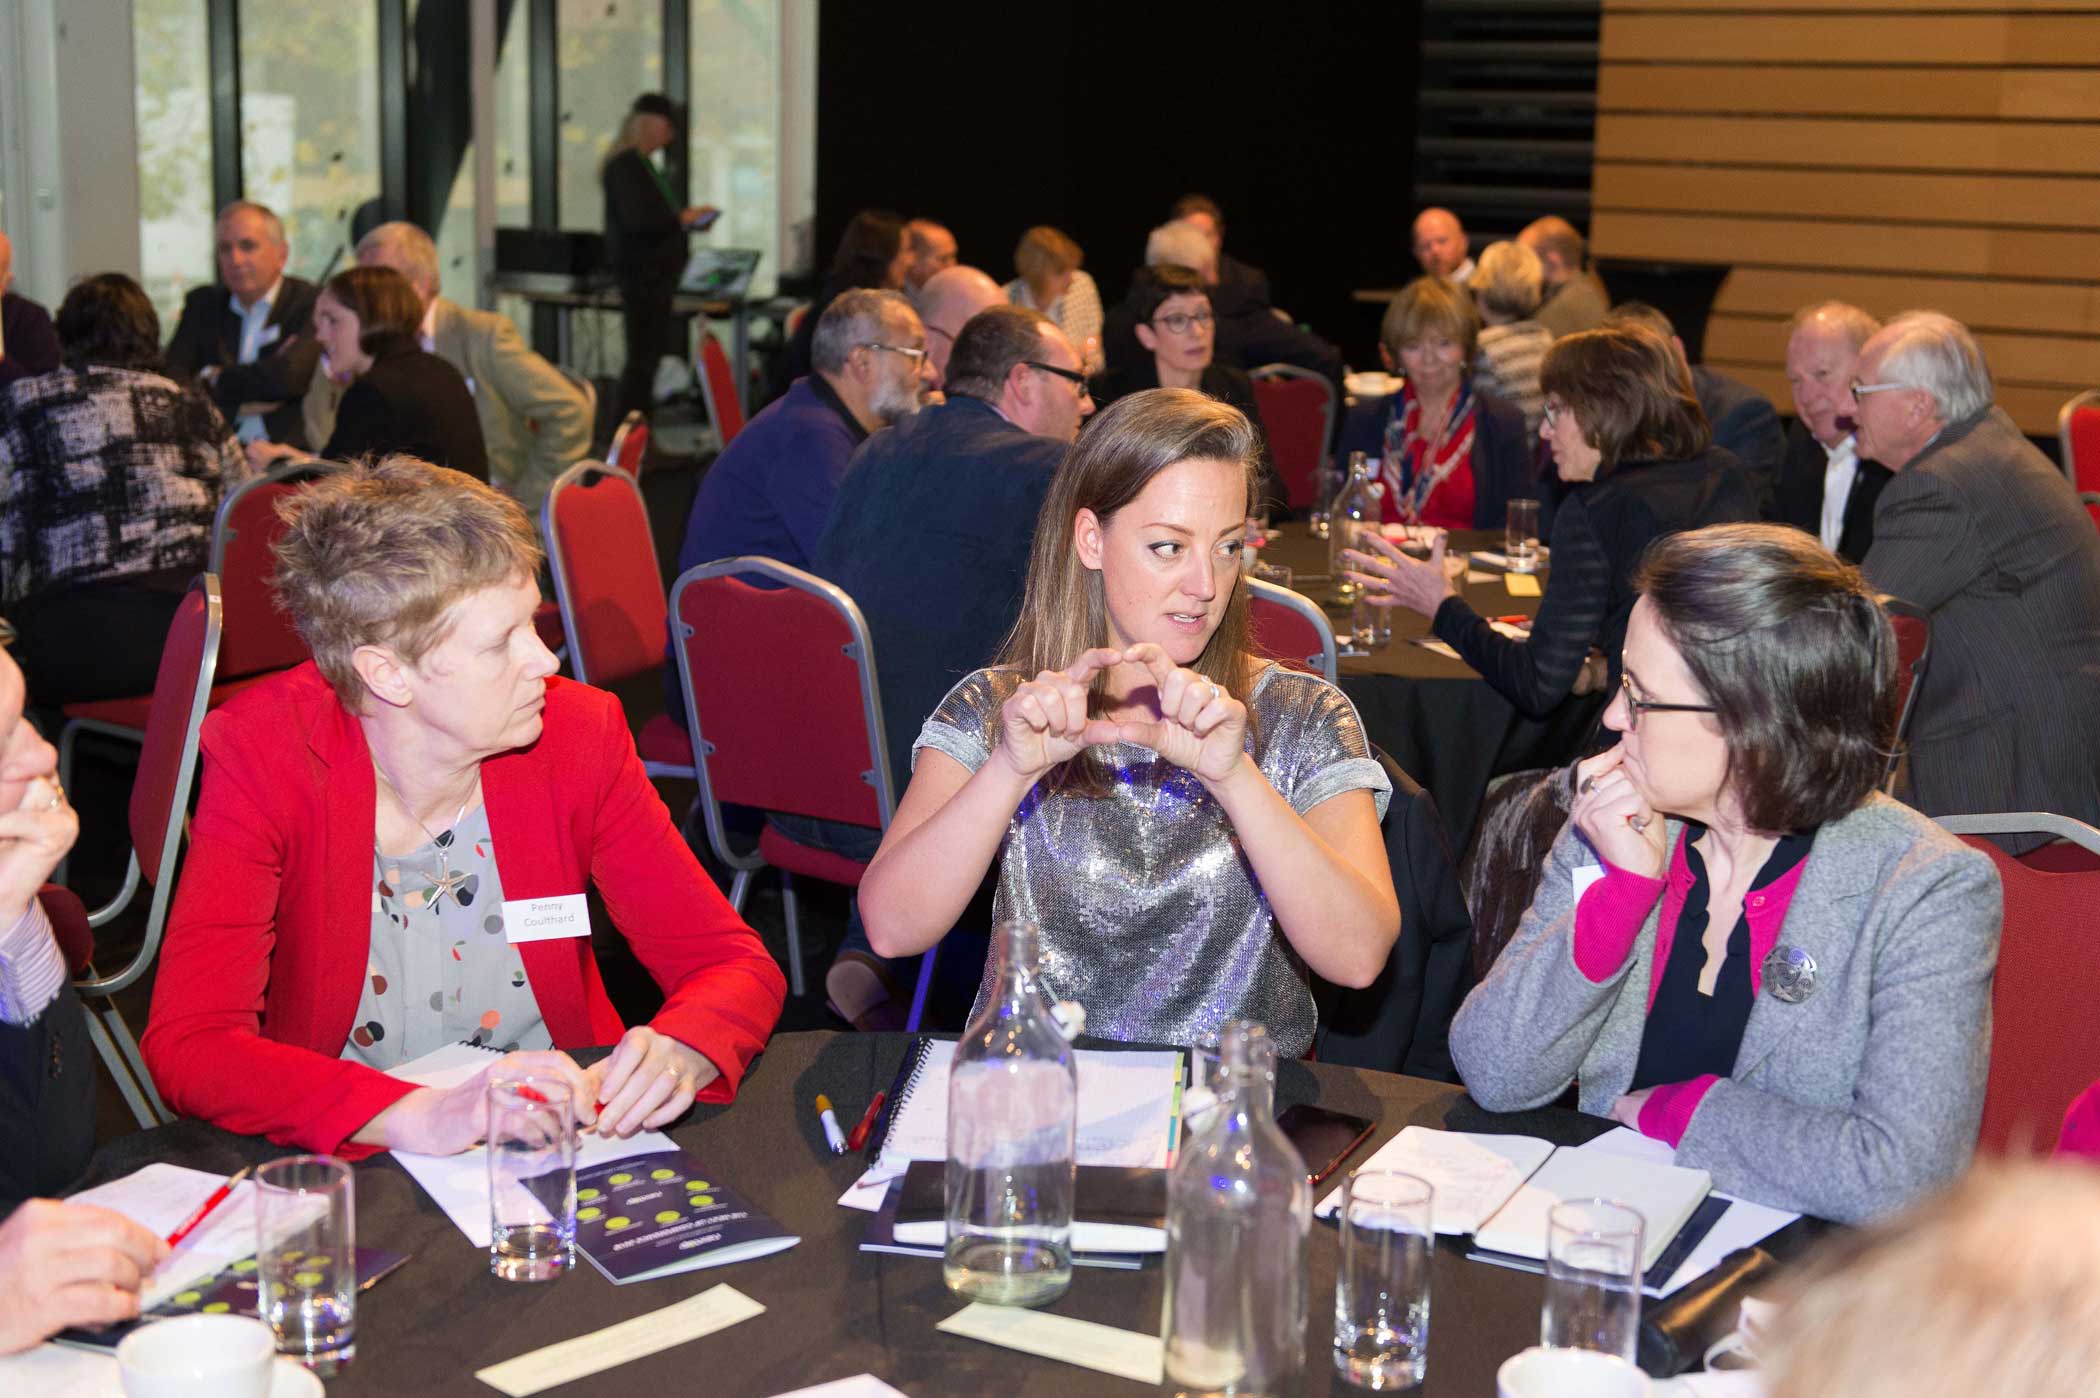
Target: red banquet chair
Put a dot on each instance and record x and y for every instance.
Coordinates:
(781, 702)
(1290, 627)
(160, 798)
(1297, 416)
(630, 442)
(2078, 433)
(611, 594)
(718, 386)
(1913, 630)
(2043, 1049)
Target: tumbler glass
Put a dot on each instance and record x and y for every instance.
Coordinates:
(1381, 1292)
(532, 1177)
(1520, 536)
(306, 1258)
(1593, 1277)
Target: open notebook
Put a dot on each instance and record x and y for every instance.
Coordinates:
(1500, 1188)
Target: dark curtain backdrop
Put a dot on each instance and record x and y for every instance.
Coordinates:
(1095, 116)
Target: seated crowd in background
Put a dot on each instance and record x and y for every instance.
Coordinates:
(1048, 277)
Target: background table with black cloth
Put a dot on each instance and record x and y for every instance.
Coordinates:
(831, 1310)
(1437, 718)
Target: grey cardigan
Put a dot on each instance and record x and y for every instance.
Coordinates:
(1847, 1105)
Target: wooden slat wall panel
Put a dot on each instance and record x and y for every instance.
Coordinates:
(1893, 153)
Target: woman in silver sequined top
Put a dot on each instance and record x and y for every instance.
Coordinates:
(1193, 829)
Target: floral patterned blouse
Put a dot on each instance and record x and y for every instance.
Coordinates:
(440, 970)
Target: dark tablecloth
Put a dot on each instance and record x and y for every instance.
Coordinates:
(1435, 715)
(831, 1310)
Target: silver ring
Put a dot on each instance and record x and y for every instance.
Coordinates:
(1639, 824)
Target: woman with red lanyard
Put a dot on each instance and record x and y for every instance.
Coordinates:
(1451, 455)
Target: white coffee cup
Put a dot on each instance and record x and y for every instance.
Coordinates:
(1540, 1372)
(198, 1356)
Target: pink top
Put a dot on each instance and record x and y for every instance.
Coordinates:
(1608, 921)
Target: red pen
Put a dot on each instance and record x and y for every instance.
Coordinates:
(218, 1197)
(859, 1136)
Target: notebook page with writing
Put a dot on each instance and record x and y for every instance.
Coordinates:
(1473, 1174)
(1663, 1195)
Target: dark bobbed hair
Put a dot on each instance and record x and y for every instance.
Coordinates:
(1796, 655)
(1153, 287)
(989, 345)
(385, 303)
(1630, 393)
(107, 320)
(1064, 609)
(866, 249)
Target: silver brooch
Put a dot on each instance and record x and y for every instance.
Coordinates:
(1790, 974)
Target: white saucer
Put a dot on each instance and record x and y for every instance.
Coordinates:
(290, 1379)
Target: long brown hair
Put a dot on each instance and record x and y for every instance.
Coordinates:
(1064, 610)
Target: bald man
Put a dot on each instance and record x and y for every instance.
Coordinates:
(28, 345)
(946, 302)
(1575, 299)
(933, 251)
(1441, 246)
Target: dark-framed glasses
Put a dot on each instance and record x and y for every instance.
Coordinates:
(1181, 322)
(1636, 707)
(1077, 379)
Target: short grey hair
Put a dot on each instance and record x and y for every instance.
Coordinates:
(854, 318)
(414, 254)
(269, 217)
(1856, 325)
(1937, 353)
(1179, 243)
(1508, 280)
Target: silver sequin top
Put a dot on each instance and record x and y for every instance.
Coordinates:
(1149, 915)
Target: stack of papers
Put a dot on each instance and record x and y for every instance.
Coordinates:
(159, 1197)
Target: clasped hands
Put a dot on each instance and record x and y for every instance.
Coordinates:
(1200, 727)
(647, 1081)
(1390, 578)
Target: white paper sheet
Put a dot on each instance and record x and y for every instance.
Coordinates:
(859, 1386)
(159, 1197)
(1744, 1225)
(1126, 1353)
(1473, 1175)
(56, 1371)
(714, 1309)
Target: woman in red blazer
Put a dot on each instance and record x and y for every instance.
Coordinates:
(324, 869)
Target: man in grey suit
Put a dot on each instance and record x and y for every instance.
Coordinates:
(1980, 530)
(535, 420)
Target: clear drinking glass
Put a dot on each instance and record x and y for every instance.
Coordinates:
(1013, 1128)
(532, 1177)
(1520, 536)
(1381, 1292)
(1593, 1277)
(1238, 1209)
(1327, 483)
(306, 1259)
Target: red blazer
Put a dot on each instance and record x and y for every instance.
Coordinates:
(268, 944)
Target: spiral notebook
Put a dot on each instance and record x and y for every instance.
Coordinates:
(1129, 1113)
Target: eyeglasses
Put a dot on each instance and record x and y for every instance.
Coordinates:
(1181, 322)
(940, 330)
(1551, 412)
(1636, 707)
(1077, 379)
(1861, 390)
(916, 356)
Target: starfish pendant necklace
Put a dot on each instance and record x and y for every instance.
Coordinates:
(445, 883)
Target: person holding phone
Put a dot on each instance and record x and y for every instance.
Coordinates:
(645, 235)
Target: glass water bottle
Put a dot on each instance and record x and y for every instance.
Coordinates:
(1013, 1121)
(1238, 1210)
(1356, 505)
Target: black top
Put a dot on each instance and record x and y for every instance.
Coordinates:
(413, 403)
(47, 1102)
(27, 341)
(1690, 1034)
(1800, 500)
(643, 235)
(209, 333)
(1600, 531)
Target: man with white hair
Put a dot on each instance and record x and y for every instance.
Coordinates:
(28, 344)
(1983, 533)
(1441, 246)
(535, 421)
(1825, 487)
(249, 340)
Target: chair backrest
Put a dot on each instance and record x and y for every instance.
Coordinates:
(605, 573)
(1290, 627)
(630, 442)
(2043, 1048)
(718, 385)
(775, 677)
(258, 637)
(160, 791)
(1913, 630)
(1297, 415)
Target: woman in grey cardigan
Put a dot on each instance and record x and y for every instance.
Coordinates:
(1738, 945)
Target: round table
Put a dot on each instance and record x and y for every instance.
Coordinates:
(1431, 713)
(831, 1310)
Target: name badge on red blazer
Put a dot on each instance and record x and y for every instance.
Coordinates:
(544, 919)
